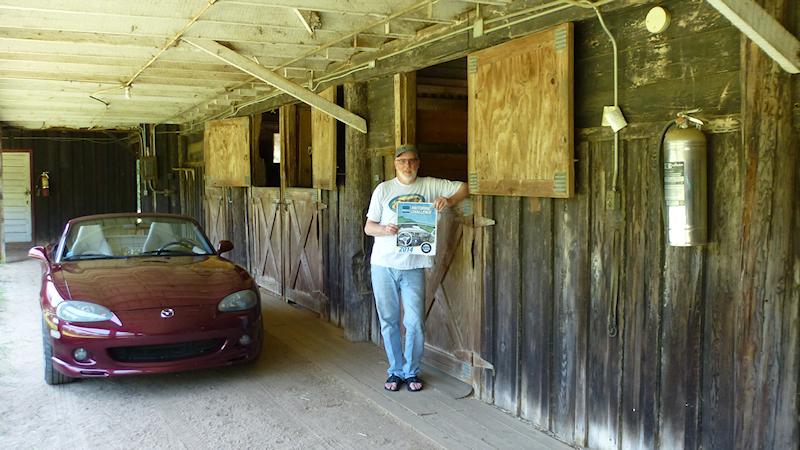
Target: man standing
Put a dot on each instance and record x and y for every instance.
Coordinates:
(399, 279)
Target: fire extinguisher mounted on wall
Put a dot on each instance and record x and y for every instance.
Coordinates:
(44, 184)
(685, 179)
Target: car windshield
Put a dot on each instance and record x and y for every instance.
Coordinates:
(123, 237)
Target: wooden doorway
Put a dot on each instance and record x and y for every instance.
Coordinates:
(431, 112)
(285, 221)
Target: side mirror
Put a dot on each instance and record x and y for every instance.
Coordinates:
(38, 252)
(224, 246)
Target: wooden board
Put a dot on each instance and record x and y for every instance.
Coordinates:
(288, 132)
(227, 152)
(520, 116)
(302, 249)
(265, 229)
(323, 141)
(405, 108)
(453, 286)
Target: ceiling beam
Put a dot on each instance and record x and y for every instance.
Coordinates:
(246, 65)
(760, 27)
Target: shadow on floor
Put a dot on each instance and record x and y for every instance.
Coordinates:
(17, 251)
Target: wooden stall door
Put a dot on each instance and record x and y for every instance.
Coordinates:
(453, 298)
(267, 242)
(215, 214)
(302, 248)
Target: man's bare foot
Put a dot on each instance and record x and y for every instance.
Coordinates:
(414, 384)
(393, 383)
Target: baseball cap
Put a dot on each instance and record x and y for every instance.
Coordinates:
(405, 148)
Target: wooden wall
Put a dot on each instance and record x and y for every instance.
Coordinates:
(168, 157)
(605, 336)
(597, 331)
(90, 173)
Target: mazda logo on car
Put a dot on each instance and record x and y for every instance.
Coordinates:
(167, 313)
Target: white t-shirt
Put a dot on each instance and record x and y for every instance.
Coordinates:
(383, 210)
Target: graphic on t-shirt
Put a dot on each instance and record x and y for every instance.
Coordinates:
(416, 232)
(407, 198)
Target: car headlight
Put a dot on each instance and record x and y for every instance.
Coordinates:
(78, 311)
(238, 301)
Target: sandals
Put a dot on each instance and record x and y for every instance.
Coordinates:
(397, 383)
(414, 380)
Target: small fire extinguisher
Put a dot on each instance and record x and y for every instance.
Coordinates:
(44, 183)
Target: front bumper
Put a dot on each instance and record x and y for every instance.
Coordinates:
(103, 347)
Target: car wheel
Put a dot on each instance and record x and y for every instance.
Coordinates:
(51, 375)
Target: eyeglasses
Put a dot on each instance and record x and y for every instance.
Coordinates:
(403, 161)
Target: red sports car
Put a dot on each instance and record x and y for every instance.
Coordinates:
(126, 294)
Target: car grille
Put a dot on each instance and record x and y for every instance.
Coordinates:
(165, 352)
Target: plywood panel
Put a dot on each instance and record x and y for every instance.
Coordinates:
(323, 142)
(520, 116)
(227, 152)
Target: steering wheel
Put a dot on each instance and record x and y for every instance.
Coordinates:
(185, 243)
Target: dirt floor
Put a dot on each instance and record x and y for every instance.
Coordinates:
(284, 401)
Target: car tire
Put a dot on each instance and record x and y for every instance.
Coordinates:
(51, 375)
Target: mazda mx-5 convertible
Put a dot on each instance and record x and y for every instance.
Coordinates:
(126, 294)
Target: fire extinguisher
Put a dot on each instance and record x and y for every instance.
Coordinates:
(44, 183)
(685, 180)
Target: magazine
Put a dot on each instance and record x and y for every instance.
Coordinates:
(416, 228)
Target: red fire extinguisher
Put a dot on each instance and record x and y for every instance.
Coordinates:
(44, 183)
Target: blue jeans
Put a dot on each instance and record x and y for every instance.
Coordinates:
(391, 286)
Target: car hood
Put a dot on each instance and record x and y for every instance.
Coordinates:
(152, 282)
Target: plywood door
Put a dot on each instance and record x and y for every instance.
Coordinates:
(303, 249)
(520, 116)
(453, 298)
(267, 238)
(17, 197)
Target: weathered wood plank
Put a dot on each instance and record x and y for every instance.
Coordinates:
(323, 155)
(380, 93)
(605, 348)
(644, 243)
(357, 287)
(507, 289)
(487, 332)
(680, 347)
(571, 302)
(405, 108)
(766, 316)
(722, 279)
(536, 315)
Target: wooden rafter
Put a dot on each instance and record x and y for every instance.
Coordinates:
(764, 30)
(246, 65)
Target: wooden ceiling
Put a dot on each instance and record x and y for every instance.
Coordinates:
(120, 63)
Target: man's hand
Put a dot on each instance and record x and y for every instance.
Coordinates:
(441, 203)
(390, 229)
(375, 229)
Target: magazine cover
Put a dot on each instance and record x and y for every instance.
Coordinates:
(416, 228)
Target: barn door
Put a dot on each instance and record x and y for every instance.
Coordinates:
(267, 238)
(285, 221)
(215, 214)
(453, 297)
(302, 248)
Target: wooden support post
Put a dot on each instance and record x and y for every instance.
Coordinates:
(765, 393)
(405, 108)
(353, 243)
